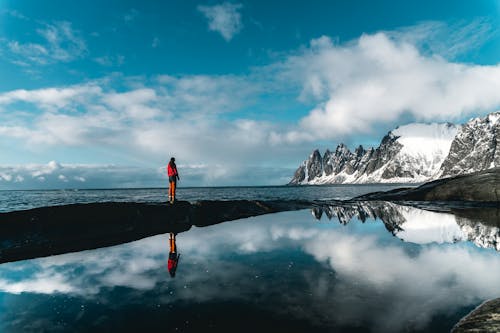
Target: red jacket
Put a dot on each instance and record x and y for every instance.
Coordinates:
(172, 171)
(172, 264)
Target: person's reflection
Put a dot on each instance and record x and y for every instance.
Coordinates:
(173, 256)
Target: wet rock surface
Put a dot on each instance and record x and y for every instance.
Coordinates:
(54, 230)
(485, 318)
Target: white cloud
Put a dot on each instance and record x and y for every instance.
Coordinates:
(70, 176)
(448, 40)
(30, 51)
(61, 43)
(44, 283)
(5, 177)
(224, 18)
(173, 115)
(377, 80)
(52, 98)
(57, 175)
(43, 170)
(134, 103)
(364, 86)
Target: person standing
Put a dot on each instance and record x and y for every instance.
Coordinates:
(173, 176)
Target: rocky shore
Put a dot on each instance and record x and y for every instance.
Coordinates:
(482, 186)
(485, 318)
(54, 230)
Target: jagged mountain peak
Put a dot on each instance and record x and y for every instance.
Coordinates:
(359, 150)
(490, 119)
(315, 153)
(415, 152)
(342, 149)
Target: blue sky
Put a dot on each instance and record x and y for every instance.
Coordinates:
(102, 94)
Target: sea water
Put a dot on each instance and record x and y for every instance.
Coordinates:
(18, 200)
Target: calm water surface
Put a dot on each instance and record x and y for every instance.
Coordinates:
(17, 200)
(401, 270)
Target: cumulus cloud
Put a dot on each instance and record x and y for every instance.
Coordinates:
(182, 116)
(365, 86)
(378, 79)
(135, 103)
(52, 98)
(224, 18)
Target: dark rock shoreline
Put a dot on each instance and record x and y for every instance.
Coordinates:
(482, 186)
(485, 318)
(46, 231)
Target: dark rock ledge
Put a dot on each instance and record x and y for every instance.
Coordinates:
(482, 186)
(46, 231)
(485, 318)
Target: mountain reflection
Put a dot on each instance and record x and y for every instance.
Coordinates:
(480, 226)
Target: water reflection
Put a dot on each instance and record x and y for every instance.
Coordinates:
(173, 255)
(307, 276)
(480, 226)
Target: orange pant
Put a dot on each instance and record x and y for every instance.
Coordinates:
(172, 244)
(171, 190)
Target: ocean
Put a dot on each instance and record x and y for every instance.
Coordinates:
(18, 200)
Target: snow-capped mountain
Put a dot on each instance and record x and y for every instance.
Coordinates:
(410, 153)
(474, 147)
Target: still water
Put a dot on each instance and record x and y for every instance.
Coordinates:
(368, 267)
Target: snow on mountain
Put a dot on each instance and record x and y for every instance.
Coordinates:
(475, 147)
(410, 153)
(426, 142)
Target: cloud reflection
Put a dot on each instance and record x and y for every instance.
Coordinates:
(327, 273)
